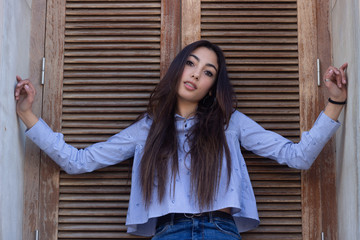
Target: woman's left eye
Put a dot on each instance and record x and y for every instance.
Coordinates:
(209, 74)
(190, 63)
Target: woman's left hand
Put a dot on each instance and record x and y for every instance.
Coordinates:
(336, 82)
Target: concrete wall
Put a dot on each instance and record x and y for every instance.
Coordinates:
(345, 34)
(14, 59)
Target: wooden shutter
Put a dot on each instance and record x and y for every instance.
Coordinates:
(111, 64)
(104, 58)
(259, 39)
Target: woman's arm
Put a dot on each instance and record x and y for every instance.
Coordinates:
(24, 96)
(119, 147)
(301, 155)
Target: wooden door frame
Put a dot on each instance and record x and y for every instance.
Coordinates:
(32, 152)
(314, 42)
(318, 183)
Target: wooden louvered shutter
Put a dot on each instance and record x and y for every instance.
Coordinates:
(259, 39)
(112, 62)
(104, 58)
(109, 65)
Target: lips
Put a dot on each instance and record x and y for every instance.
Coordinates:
(190, 85)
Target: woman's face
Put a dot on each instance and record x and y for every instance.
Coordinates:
(198, 76)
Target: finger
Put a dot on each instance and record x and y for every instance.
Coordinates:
(30, 90)
(18, 78)
(343, 72)
(19, 89)
(338, 78)
(330, 74)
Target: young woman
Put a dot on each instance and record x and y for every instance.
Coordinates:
(189, 178)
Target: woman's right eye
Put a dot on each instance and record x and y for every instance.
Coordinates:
(190, 63)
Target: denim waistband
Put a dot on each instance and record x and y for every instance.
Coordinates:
(174, 217)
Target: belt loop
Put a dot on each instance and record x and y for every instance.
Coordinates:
(172, 219)
(211, 217)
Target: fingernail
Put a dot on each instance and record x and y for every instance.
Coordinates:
(26, 86)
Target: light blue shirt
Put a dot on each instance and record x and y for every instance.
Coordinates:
(238, 195)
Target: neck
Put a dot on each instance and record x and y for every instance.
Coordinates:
(186, 109)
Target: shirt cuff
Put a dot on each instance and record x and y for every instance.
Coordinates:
(324, 128)
(40, 134)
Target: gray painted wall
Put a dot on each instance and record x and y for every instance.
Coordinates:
(345, 34)
(14, 59)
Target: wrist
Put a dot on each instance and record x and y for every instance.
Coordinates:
(336, 101)
(28, 118)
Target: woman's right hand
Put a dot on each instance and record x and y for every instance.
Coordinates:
(24, 96)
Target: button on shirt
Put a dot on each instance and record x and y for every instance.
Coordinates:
(238, 195)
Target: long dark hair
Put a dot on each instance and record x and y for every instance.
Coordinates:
(207, 139)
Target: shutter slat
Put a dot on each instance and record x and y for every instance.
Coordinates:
(111, 46)
(250, 26)
(94, 205)
(123, 19)
(104, 81)
(95, 182)
(95, 124)
(108, 88)
(96, 235)
(111, 53)
(110, 12)
(103, 110)
(111, 32)
(94, 189)
(112, 74)
(239, 20)
(102, 220)
(273, 207)
(109, 4)
(89, 227)
(247, 5)
(92, 197)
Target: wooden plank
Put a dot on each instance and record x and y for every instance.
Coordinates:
(308, 104)
(170, 33)
(49, 172)
(190, 21)
(31, 220)
(326, 162)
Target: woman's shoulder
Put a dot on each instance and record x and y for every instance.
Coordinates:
(144, 120)
(237, 115)
(239, 119)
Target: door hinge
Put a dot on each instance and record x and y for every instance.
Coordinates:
(318, 71)
(36, 234)
(43, 72)
(322, 236)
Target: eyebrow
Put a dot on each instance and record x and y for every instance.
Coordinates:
(208, 64)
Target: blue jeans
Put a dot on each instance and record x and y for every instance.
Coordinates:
(198, 228)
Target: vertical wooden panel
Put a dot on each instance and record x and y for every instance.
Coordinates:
(327, 158)
(32, 152)
(52, 107)
(170, 33)
(190, 21)
(308, 111)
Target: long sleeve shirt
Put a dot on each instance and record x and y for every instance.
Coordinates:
(238, 195)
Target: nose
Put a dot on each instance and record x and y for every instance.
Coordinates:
(195, 75)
